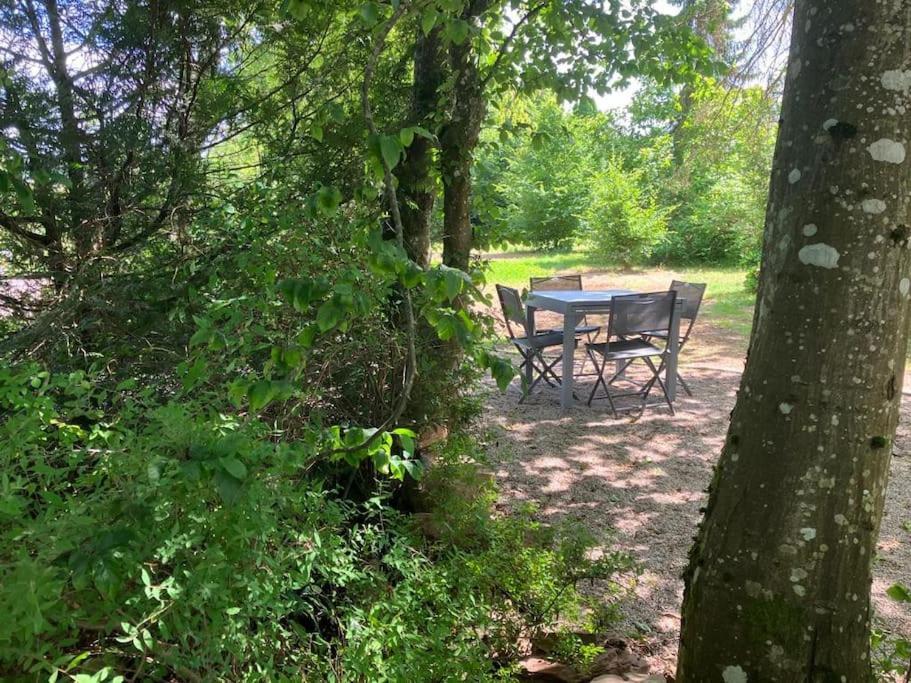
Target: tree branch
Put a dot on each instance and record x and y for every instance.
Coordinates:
(509, 40)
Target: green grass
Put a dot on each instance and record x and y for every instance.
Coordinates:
(514, 269)
(727, 304)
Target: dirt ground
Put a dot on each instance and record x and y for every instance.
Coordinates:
(638, 486)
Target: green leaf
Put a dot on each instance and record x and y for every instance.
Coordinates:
(457, 30)
(234, 467)
(370, 13)
(423, 132)
(899, 593)
(330, 315)
(502, 371)
(260, 394)
(453, 281)
(292, 356)
(307, 336)
(429, 19)
(201, 336)
(328, 199)
(298, 8)
(408, 444)
(391, 149)
(24, 193)
(406, 136)
(414, 468)
(301, 293)
(228, 487)
(411, 275)
(316, 132)
(336, 112)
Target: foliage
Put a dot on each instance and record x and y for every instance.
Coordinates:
(892, 652)
(159, 539)
(530, 186)
(718, 180)
(656, 188)
(623, 222)
(722, 224)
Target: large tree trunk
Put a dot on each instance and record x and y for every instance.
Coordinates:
(778, 583)
(416, 182)
(457, 144)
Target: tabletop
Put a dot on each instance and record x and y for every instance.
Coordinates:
(561, 300)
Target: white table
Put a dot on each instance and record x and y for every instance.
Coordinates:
(573, 304)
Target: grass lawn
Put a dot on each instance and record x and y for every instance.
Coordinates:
(727, 302)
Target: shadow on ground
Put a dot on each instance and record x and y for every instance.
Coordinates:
(639, 485)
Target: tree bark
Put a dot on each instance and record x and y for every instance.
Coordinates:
(70, 134)
(457, 143)
(777, 587)
(416, 181)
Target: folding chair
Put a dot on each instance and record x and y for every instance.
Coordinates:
(566, 283)
(530, 347)
(691, 293)
(633, 316)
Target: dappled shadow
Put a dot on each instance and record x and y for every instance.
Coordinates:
(639, 485)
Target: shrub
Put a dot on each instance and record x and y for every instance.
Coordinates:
(751, 281)
(544, 215)
(161, 539)
(718, 223)
(623, 223)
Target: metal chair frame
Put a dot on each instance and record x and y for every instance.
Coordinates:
(632, 316)
(692, 294)
(530, 347)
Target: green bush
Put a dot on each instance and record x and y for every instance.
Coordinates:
(544, 215)
(623, 223)
(720, 223)
(531, 178)
(751, 281)
(162, 540)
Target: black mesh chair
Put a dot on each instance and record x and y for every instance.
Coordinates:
(691, 293)
(632, 317)
(530, 347)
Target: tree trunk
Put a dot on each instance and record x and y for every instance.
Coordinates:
(778, 582)
(457, 144)
(70, 135)
(416, 182)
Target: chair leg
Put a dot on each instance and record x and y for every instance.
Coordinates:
(585, 357)
(544, 372)
(619, 373)
(647, 389)
(686, 387)
(600, 380)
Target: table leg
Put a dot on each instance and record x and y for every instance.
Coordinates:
(530, 331)
(569, 352)
(673, 346)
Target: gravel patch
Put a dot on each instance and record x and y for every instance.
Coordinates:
(639, 485)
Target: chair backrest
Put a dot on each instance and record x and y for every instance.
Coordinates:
(691, 293)
(557, 283)
(513, 309)
(635, 314)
